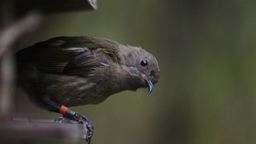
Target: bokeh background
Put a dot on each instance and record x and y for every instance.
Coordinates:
(206, 52)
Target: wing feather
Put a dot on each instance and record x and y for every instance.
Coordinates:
(69, 55)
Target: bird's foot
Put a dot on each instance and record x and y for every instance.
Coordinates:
(70, 116)
(60, 120)
(87, 124)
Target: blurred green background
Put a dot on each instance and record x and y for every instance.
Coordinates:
(206, 52)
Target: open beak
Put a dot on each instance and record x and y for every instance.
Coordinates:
(148, 83)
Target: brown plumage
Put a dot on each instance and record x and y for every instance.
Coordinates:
(72, 71)
(83, 70)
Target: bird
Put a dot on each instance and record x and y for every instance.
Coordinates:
(68, 71)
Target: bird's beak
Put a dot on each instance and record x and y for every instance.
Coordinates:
(148, 83)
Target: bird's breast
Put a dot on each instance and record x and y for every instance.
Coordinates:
(75, 90)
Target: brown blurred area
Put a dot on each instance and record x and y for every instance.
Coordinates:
(206, 52)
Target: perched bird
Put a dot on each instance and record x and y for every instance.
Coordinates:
(71, 71)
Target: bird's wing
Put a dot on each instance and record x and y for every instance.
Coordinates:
(69, 55)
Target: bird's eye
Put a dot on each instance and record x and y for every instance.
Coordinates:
(144, 63)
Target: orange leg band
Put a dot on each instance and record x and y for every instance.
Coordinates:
(63, 109)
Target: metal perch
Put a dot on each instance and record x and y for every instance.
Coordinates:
(37, 130)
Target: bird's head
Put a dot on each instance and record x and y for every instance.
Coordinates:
(142, 67)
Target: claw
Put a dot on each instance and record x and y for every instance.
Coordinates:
(87, 125)
(87, 128)
(59, 120)
(69, 116)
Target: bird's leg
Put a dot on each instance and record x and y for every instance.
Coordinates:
(72, 115)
